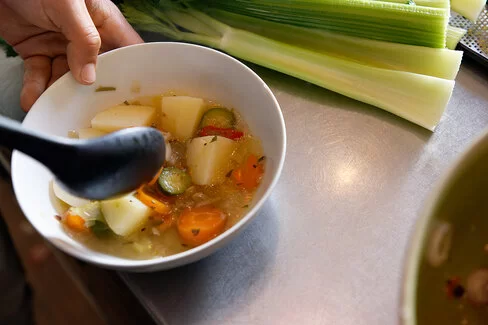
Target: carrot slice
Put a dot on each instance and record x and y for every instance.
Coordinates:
(75, 223)
(155, 179)
(199, 225)
(249, 174)
(153, 202)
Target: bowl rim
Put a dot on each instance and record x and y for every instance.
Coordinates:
(418, 236)
(128, 264)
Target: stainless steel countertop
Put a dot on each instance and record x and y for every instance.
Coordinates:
(329, 245)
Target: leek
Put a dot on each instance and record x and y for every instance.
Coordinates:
(454, 35)
(424, 3)
(418, 98)
(470, 9)
(380, 20)
(441, 63)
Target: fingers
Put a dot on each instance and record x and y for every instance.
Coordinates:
(37, 72)
(83, 38)
(50, 44)
(59, 68)
(114, 29)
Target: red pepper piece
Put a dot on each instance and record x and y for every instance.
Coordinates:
(226, 133)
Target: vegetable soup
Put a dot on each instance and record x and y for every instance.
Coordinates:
(213, 167)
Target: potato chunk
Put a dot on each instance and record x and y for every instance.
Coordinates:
(208, 159)
(125, 215)
(181, 115)
(90, 133)
(124, 116)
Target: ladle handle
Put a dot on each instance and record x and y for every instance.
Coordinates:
(46, 149)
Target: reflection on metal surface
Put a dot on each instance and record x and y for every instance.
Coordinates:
(346, 175)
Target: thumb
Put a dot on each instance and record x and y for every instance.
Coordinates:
(83, 38)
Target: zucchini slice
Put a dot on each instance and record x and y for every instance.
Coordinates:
(174, 181)
(218, 117)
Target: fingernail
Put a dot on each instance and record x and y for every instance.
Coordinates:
(88, 74)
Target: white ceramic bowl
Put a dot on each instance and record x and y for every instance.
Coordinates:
(157, 67)
(459, 202)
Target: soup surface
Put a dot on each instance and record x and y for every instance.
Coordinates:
(213, 167)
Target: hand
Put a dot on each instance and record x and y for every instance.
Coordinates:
(54, 36)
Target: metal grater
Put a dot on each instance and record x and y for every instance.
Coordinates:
(475, 42)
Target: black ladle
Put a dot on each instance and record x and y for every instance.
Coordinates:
(94, 169)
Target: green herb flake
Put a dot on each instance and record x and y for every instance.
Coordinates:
(229, 174)
(195, 232)
(246, 206)
(261, 159)
(126, 103)
(214, 139)
(101, 88)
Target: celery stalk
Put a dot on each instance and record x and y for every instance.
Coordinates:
(425, 3)
(380, 20)
(470, 9)
(441, 63)
(454, 35)
(418, 98)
